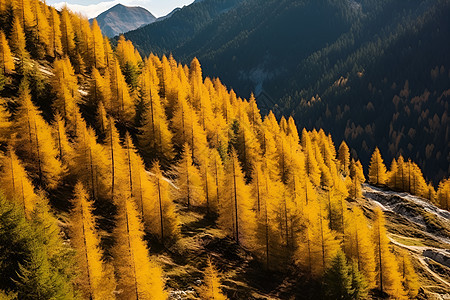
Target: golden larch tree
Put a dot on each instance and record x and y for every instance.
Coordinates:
(188, 180)
(211, 289)
(65, 86)
(5, 123)
(377, 169)
(18, 43)
(35, 142)
(388, 278)
(217, 179)
(186, 127)
(122, 104)
(163, 221)
(55, 45)
(16, 184)
(64, 146)
(443, 194)
(236, 216)
(267, 196)
(355, 180)
(23, 11)
(156, 138)
(97, 47)
(151, 193)
(41, 29)
(359, 246)
(409, 276)
(101, 120)
(6, 58)
(96, 280)
(392, 175)
(117, 175)
(67, 34)
(311, 165)
(90, 164)
(138, 275)
(317, 244)
(344, 159)
(100, 90)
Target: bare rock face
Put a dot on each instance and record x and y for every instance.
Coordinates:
(438, 256)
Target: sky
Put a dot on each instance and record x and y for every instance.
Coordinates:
(92, 8)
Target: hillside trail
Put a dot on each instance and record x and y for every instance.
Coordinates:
(417, 252)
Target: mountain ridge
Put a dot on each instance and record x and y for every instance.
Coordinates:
(120, 19)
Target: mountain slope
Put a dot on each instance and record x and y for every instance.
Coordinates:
(333, 64)
(166, 35)
(120, 18)
(243, 277)
(419, 227)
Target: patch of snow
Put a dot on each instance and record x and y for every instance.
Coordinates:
(83, 92)
(46, 71)
(383, 208)
(180, 295)
(164, 178)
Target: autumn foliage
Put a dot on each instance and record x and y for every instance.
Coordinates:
(143, 140)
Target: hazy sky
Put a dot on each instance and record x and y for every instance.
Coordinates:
(91, 8)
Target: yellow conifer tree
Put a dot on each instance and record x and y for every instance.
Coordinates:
(359, 245)
(211, 289)
(156, 138)
(96, 280)
(64, 147)
(355, 180)
(5, 124)
(267, 196)
(98, 49)
(317, 244)
(138, 275)
(344, 159)
(392, 175)
(311, 166)
(22, 10)
(35, 142)
(15, 183)
(117, 175)
(443, 194)
(6, 58)
(102, 119)
(401, 177)
(101, 90)
(41, 29)
(55, 45)
(236, 216)
(163, 222)
(409, 276)
(122, 104)
(90, 164)
(377, 169)
(187, 128)
(188, 180)
(388, 278)
(67, 34)
(18, 43)
(65, 86)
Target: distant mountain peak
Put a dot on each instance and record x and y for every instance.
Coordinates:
(120, 19)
